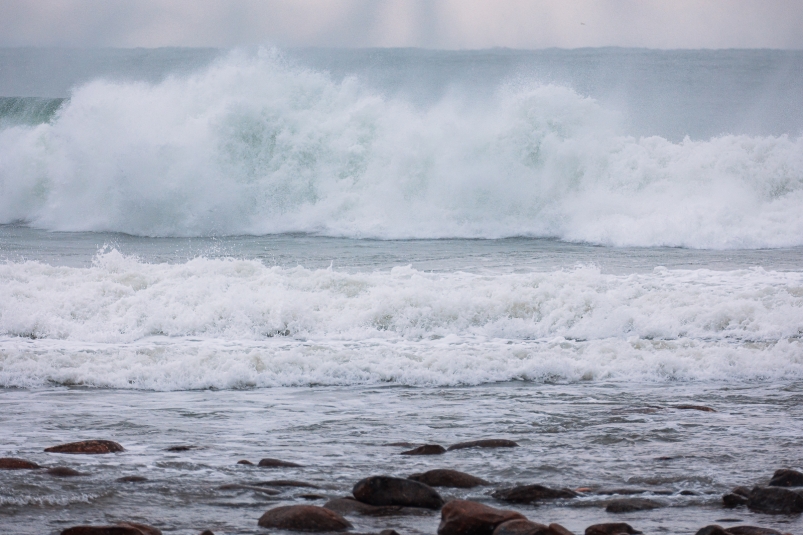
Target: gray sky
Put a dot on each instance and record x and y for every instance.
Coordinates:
(450, 24)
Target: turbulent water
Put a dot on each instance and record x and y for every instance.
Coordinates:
(310, 254)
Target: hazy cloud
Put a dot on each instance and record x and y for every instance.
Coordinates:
(419, 23)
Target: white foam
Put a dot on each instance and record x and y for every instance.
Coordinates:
(254, 146)
(235, 323)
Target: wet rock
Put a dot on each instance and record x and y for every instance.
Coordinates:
(237, 486)
(612, 528)
(426, 449)
(11, 463)
(400, 444)
(557, 529)
(732, 500)
(742, 491)
(63, 471)
(276, 463)
(712, 530)
(311, 497)
(350, 506)
(448, 478)
(630, 492)
(752, 530)
(207, 532)
(786, 478)
(385, 490)
(303, 518)
(246, 462)
(132, 479)
(687, 493)
(87, 447)
(124, 528)
(180, 448)
(532, 494)
(629, 505)
(521, 526)
(694, 408)
(286, 483)
(461, 517)
(388, 532)
(775, 501)
(486, 443)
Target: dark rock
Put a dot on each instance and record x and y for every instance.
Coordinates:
(742, 491)
(245, 461)
(688, 493)
(713, 529)
(486, 443)
(303, 518)
(461, 517)
(532, 494)
(63, 471)
(276, 463)
(311, 497)
(630, 492)
(426, 449)
(557, 529)
(732, 500)
(286, 483)
(87, 447)
(448, 478)
(775, 501)
(10, 463)
(124, 528)
(521, 526)
(180, 448)
(350, 506)
(132, 479)
(385, 490)
(400, 444)
(786, 478)
(628, 505)
(237, 486)
(752, 530)
(612, 528)
(207, 532)
(388, 532)
(694, 408)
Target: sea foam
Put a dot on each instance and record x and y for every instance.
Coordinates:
(228, 323)
(253, 145)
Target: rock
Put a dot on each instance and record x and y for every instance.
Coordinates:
(207, 532)
(123, 528)
(742, 491)
(180, 448)
(752, 530)
(486, 443)
(246, 462)
(521, 526)
(237, 486)
(557, 529)
(87, 447)
(613, 528)
(786, 478)
(694, 408)
(63, 471)
(276, 463)
(286, 483)
(350, 506)
(426, 449)
(732, 500)
(388, 532)
(132, 479)
(629, 505)
(303, 518)
(11, 463)
(630, 492)
(687, 493)
(712, 530)
(448, 478)
(461, 517)
(311, 497)
(532, 494)
(385, 490)
(775, 501)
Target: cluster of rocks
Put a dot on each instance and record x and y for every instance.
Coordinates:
(390, 496)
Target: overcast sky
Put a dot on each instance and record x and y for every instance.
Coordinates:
(450, 24)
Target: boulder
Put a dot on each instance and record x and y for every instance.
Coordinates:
(11, 463)
(426, 449)
(713, 529)
(732, 500)
(461, 517)
(132, 479)
(557, 529)
(286, 483)
(87, 447)
(207, 532)
(786, 478)
(612, 528)
(123, 528)
(775, 501)
(385, 490)
(629, 505)
(486, 443)
(350, 506)
(63, 471)
(276, 463)
(448, 478)
(245, 462)
(303, 518)
(532, 494)
(180, 448)
(521, 526)
(752, 530)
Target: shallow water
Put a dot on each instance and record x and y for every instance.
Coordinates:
(601, 435)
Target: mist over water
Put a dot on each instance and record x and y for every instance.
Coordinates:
(256, 144)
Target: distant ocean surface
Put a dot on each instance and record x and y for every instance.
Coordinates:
(421, 245)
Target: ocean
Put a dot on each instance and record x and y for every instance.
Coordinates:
(329, 256)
